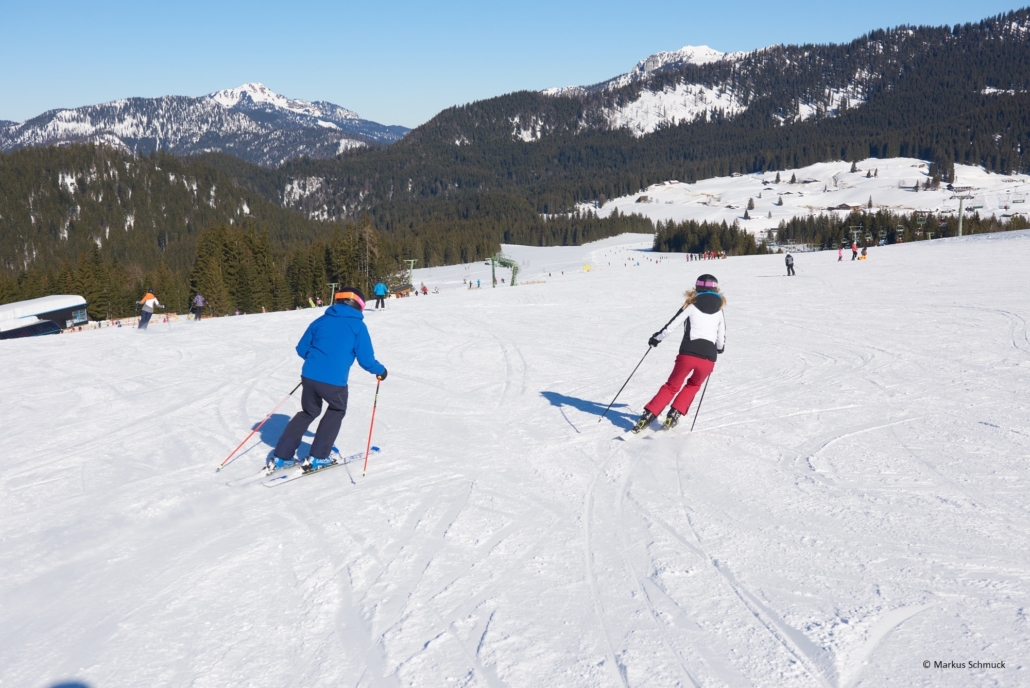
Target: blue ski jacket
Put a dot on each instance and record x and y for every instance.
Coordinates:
(332, 343)
(380, 289)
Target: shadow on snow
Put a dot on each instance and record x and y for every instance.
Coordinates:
(619, 419)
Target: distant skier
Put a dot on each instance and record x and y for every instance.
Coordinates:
(840, 253)
(863, 253)
(704, 338)
(329, 348)
(854, 250)
(380, 290)
(148, 302)
(198, 306)
(790, 264)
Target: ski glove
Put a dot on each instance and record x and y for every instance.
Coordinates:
(383, 375)
(654, 341)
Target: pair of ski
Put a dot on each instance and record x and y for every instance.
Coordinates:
(286, 475)
(653, 429)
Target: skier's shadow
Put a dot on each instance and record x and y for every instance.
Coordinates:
(273, 429)
(619, 419)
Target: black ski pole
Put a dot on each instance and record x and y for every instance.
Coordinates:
(638, 365)
(701, 401)
(625, 383)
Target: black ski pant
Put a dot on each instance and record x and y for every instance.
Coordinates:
(790, 269)
(380, 302)
(311, 399)
(197, 312)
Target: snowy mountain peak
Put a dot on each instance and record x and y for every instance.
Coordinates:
(254, 93)
(690, 54)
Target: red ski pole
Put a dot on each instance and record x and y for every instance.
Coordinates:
(369, 445)
(222, 465)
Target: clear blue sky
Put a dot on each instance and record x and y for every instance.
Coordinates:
(394, 63)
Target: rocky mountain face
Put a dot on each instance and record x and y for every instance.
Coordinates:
(250, 122)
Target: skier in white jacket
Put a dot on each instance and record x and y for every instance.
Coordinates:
(149, 301)
(704, 338)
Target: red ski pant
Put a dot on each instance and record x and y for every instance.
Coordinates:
(698, 368)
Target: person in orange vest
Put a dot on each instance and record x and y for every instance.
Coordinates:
(148, 302)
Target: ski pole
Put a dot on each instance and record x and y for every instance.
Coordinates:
(625, 383)
(638, 365)
(700, 401)
(375, 402)
(222, 465)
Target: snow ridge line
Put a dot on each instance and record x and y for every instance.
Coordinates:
(588, 567)
(663, 632)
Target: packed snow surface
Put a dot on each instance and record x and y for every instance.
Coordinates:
(852, 503)
(824, 188)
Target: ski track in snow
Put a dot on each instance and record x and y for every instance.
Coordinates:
(852, 502)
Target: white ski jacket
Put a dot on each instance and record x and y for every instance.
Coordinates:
(148, 304)
(704, 327)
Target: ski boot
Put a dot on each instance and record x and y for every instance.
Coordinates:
(274, 463)
(645, 419)
(313, 463)
(672, 419)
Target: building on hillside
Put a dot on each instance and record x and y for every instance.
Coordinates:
(46, 315)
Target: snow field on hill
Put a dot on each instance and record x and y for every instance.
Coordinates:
(852, 503)
(820, 187)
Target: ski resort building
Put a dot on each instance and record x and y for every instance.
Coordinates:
(46, 315)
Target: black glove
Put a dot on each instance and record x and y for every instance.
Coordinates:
(654, 341)
(382, 375)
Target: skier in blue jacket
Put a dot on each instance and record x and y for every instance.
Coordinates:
(329, 348)
(380, 290)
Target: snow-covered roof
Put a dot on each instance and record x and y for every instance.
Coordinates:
(45, 304)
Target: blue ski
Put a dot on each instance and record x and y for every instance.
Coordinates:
(297, 473)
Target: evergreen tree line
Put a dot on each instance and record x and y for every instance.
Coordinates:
(828, 231)
(139, 214)
(698, 237)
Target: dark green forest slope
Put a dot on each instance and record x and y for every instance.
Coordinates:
(455, 188)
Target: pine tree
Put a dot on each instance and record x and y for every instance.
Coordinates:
(777, 177)
(750, 204)
(793, 179)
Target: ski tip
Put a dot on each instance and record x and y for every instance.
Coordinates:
(374, 448)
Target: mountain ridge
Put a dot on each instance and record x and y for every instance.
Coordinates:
(251, 122)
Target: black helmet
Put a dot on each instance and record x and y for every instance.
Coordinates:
(706, 282)
(351, 296)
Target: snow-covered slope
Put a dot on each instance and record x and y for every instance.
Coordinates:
(251, 122)
(852, 503)
(825, 188)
